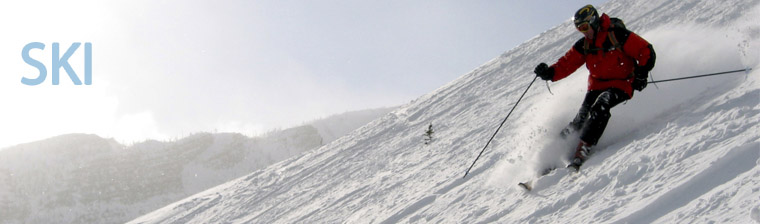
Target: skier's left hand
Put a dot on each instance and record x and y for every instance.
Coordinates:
(640, 78)
(639, 83)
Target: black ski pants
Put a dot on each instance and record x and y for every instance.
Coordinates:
(594, 114)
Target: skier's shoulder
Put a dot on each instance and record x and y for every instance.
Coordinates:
(580, 45)
(617, 28)
(617, 24)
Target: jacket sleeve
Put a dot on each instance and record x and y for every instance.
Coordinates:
(641, 50)
(567, 64)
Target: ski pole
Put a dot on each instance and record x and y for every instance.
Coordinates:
(700, 76)
(500, 125)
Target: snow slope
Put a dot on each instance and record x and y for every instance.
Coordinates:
(679, 152)
(81, 178)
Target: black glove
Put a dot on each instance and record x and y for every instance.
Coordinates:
(639, 84)
(544, 71)
(640, 78)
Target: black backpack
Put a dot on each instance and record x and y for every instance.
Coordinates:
(617, 27)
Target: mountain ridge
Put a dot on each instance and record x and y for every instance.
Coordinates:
(83, 178)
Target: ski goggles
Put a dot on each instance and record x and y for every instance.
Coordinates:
(583, 27)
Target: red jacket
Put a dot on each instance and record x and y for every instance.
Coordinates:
(609, 66)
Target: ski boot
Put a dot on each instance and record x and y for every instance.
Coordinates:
(581, 153)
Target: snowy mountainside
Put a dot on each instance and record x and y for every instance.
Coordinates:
(336, 126)
(679, 152)
(80, 178)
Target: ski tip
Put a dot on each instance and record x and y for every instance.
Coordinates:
(525, 186)
(747, 69)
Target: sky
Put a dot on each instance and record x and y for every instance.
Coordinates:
(166, 69)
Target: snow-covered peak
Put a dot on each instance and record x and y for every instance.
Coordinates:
(678, 152)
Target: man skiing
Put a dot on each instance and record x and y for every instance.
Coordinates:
(618, 61)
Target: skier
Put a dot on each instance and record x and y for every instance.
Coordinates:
(618, 61)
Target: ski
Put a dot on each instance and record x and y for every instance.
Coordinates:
(525, 185)
(528, 185)
(581, 154)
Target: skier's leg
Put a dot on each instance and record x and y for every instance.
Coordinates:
(599, 114)
(582, 116)
(595, 123)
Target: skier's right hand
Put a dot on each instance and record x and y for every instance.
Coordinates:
(544, 71)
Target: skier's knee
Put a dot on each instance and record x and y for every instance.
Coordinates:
(602, 105)
(603, 100)
(600, 114)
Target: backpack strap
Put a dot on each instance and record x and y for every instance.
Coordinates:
(614, 41)
(586, 46)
